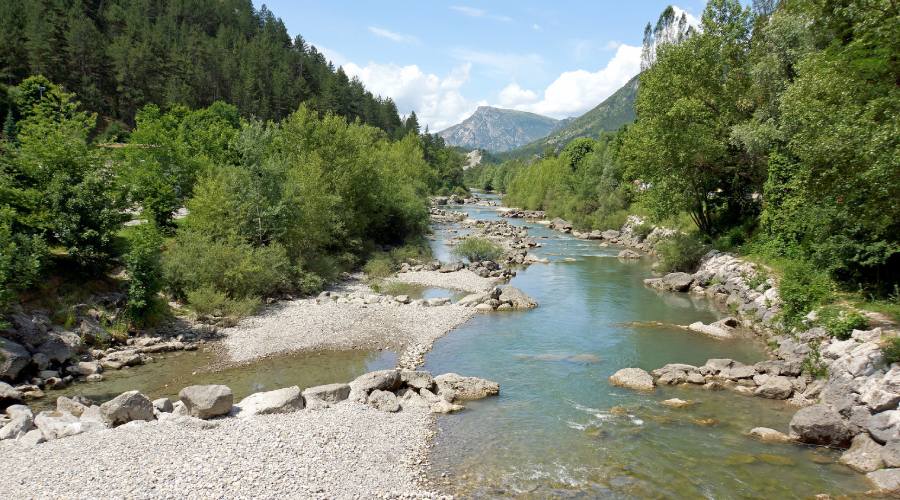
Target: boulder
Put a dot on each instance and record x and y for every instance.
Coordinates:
(768, 435)
(383, 380)
(85, 368)
(890, 454)
(516, 298)
(676, 403)
(384, 401)
(163, 405)
(65, 404)
(820, 424)
(31, 438)
(127, 407)
(885, 426)
(561, 225)
(466, 388)
(13, 359)
(19, 410)
(737, 371)
(633, 378)
(629, 254)
(712, 330)
(60, 346)
(878, 395)
(207, 401)
(775, 387)
(417, 379)
(56, 424)
(9, 395)
(610, 234)
(325, 395)
(285, 400)
(864, 454)
(472, 299)
(16, 428)
(885, 481)
(678, 282)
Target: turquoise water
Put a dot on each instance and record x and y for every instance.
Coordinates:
(559, 428)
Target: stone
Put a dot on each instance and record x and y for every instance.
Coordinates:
(16, 428)
(9, 395)
(885, 426)
(384, 401)
(325, 395)
(629, 254)
(285, 400)
(13, 359)
(19, 410)
(179, 409)
(676, 403)
(695, 378)
(890, 454)
(885, 481)
(633, 378)
(85, 368)
(163, 405)
(877, 396)
(738, 371)
(712, 330)
(384, 380)
(403, 299)
(127, 407)
(472, 299)
(516, 298)
(60, 347)
(443, 407)
(56, 424)
(484, 307)
(768, 435)
(716, 365)
(820, 424)
(65, 404)
(417, 379)
(207, 401)
(864, 454)
(610, 234)
(32, 438)
(678, 282)
(776, 387)
(466, 388)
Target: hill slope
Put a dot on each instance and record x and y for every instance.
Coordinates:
(496, 129)
(617, 110)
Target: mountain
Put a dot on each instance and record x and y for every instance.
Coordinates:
(496, 129)
(617, 110)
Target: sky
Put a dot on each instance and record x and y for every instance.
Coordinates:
(444, 59)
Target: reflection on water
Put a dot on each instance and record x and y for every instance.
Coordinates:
(559, 428)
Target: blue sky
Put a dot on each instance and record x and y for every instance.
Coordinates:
(443, 59)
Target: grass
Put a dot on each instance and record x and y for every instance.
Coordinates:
(477, 249)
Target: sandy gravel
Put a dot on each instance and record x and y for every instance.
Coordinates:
(464, 280)
(304, 325)
(348, 451)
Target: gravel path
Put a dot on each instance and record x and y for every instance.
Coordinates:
(347, 451)
(464, 280)
(304, 325)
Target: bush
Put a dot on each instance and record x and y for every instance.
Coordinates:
(461, 192)
(802, 288)
(208, 301)
(642, 230)
(478, 249)
(380, 266)
(144, 266)
(813, 363)
(681, 252)
(840, 323)
(891, 350)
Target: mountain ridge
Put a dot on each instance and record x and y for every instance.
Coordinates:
(499, 129)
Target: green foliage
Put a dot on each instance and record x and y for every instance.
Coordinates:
(642, 230)
(379, 266)
(803, 286)
(477, 249)
(840, 322)
(891, 350)
(813, 363)
(22, 258)
(144, 266)
(680, 252)
(208, 301)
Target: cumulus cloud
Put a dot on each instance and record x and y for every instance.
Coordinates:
(513, 96)
(575, 92)
(691, 19)
(393, 36)
(436, 100)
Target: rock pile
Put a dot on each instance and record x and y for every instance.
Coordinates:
(505, 298)
(515, 213)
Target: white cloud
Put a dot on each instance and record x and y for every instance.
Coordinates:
(437, 101)
(612, 45)
(691, 19)
(575, 92)
(393, 36)
(513, 96)
(502, 63)
(476, 12)
(332, 55)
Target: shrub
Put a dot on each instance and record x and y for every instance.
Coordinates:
(144, 267)
(208, 301)
(891, 350)
(813, 363)
(379, 266)
(681, 252)
(802, 288)
(642, 230)
(840, 323)
(461, 192)
(478, 249)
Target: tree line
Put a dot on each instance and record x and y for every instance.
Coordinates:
(772, 129)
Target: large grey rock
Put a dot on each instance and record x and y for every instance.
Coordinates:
(516, 298)
(864, 454)
(466, 388)
(383, 380)
(891, 454)
(885, 426)
(768, 435)
(13, 359)
(60, 347)
(322, 396)
(16, 428)
(885, 481)
(85, 368)
(31, 438)
(68, 405)
(207, 401)
(284, 400)
(775, 387)
(127, 407)
(163, 405)
(629, 254)
(678, 282)
(633, 378)
(19, 410)
(384, 401)
(820, 424)
(417, 379)
(738, 371)
(878, 395)
(9, 395)
(56, 424)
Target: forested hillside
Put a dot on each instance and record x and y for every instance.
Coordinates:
(773, 131)
(118, 55)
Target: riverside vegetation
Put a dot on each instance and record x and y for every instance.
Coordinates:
(772, 130)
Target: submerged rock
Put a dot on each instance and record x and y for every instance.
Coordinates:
(676, 403)
(768, 435)
(633, 378)
(465, 388)
(516, 298)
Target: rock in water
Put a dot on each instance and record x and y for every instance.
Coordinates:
(517, 298)
(13, 359)
(207, 401)
(864, 454)
(676, 403)
(466, 388)
(776, 387)
(768, 435)
(629, 254)
(633, 378)
(819, 424)
(384, 401)
(279, 401)
(886, 481)
(127, 407)
(417, 379)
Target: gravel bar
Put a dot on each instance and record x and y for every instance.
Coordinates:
(463, 280)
